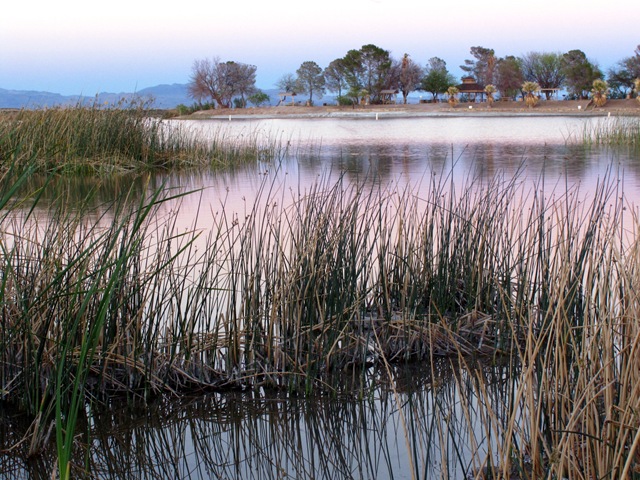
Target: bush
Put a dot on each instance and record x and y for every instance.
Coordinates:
(344, 101)
(259, 98)
(195, 107)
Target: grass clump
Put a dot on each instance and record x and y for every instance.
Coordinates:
(613, 132)
(102, 139)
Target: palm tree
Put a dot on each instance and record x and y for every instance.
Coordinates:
(531, 88)
(490, 90)
(452, 92)
(599, 92)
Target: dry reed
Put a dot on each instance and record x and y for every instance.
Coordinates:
(340, 277)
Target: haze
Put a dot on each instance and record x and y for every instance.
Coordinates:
(74, 47)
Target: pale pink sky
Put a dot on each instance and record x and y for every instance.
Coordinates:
(74, 47)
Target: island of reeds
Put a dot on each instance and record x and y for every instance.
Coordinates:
(128, 137)
(115, 303)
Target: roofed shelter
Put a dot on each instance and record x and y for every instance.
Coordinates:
(388, 96)
(549, 93)
(470, 87)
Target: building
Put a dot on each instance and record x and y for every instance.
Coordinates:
(471, 89)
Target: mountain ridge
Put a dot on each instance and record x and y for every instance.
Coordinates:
(162, 96)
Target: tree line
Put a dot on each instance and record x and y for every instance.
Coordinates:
(369, 72)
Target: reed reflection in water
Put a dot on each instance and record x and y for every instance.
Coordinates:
(423, 423)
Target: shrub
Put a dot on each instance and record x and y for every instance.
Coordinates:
(531, 90)
(599, 92)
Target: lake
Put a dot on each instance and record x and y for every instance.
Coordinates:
(387, 421)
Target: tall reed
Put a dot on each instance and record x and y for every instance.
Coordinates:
(613, 132)
(103, 139)
(336, 278)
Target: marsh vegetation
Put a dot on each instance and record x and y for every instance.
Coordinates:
(513, 307)
(105, 140)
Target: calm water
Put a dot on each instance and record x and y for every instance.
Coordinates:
(415, 431)
(407, 152)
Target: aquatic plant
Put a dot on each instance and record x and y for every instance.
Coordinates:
(612, 131)
(341, 277)
(100, 139)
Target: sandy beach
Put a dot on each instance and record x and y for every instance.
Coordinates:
(626, 107)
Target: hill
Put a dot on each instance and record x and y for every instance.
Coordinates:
(162, 96)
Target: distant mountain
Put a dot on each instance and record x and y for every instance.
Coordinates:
(30, 99)
(167, 96)
(162, 96)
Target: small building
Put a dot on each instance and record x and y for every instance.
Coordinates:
(550, 93)
(471, 88)
(388, 97)
(283, 98)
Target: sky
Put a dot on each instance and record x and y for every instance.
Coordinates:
(79, 47)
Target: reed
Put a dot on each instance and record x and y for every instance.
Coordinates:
(613, 132)
(105, 139)
(337, 278)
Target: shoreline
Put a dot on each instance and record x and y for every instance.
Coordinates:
(577, 108)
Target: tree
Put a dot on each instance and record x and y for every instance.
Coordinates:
(243, 77)
(310, 79)
(287, 83)
(221, 81)
(437, 78)
(335, 77)
(368, 69)
(406, 76)
(543, 68)
(579, 73)
(509, 76)
(622, 76)
(633, 63)
(620, 80)
(258, 98)
(483, 67)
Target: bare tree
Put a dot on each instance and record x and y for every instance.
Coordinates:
(221, 81)
(543, 68)
(287, 83)
(406, 76)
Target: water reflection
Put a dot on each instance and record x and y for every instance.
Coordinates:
(398, 151)
(416, 426)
